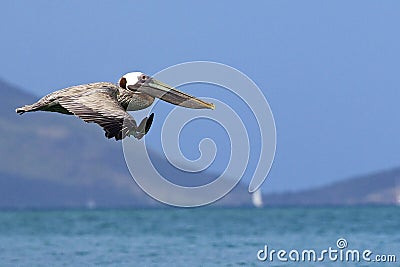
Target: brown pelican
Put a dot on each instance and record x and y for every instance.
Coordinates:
(106, 103)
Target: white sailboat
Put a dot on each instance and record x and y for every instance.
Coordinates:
(257, 199)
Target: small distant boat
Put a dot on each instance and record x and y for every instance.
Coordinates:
(91, 204)
(256, 197)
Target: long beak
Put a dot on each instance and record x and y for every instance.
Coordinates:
(170, 94)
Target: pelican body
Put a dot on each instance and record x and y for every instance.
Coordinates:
(106, 103)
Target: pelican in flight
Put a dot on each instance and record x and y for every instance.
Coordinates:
(106, 103)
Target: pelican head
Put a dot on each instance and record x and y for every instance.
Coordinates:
(140, 82)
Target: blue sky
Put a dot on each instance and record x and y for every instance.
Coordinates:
(330, 70)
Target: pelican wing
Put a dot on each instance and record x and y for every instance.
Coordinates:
(99, 105)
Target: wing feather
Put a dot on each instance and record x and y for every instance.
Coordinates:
(100, 105)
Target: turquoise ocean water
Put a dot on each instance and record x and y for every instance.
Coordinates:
(194, 237)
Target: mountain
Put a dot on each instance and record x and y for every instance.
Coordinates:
(53, 160)
(381, 188)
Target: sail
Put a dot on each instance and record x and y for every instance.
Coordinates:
(257, 198)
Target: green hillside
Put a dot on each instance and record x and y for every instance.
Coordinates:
(381, 188)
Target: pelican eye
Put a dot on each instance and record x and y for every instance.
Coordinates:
(143, 78)
(122, 83)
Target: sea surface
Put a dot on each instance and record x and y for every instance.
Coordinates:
(196, 237)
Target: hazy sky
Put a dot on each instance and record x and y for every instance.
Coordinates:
(330, 70)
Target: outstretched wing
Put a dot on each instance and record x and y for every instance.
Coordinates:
(99, 105)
